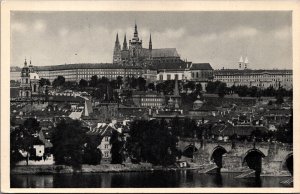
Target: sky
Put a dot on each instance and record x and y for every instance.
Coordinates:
(219, 38)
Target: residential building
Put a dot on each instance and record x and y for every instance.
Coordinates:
(148, 99)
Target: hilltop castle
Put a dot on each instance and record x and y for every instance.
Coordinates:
(133, 54)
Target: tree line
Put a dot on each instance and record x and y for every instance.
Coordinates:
(221, 89)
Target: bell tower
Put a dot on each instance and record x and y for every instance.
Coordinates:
(25, 89)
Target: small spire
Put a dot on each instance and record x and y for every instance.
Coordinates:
(246, 60)
(25, 63)
(117, 39)
(135, 30)
(125, 43)
(150, 43)
(241, 60)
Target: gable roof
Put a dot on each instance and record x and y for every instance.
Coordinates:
(164, 52)
(201, 66)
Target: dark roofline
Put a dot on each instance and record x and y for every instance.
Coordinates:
(83, 66)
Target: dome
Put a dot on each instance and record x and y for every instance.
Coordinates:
(198, 102)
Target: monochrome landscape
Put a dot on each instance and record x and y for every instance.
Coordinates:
(151, 99)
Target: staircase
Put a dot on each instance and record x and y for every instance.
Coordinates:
(288, 182)
(246, 174)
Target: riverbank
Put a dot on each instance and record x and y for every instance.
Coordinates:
(101, 168)
(127, 167)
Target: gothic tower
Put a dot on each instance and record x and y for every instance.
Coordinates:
(25, 88)
(117, 51)
(150, 43)
(125, 52)
(135, 47)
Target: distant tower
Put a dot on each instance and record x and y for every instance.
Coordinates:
(117, 51)
(125, 52)
(135, 47)
(25, 89)
(246, 62)
(241, 62)
(150, 43)
(125, 43)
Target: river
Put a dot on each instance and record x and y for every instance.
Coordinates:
(158, 179)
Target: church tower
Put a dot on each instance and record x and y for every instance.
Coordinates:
(25, 88)
(241, 62)
(117, 51)
(135, 47)
(246, 62)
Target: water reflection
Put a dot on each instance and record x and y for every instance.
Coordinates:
(187, 178)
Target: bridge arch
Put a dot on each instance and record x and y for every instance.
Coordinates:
(253, 159)
(189, 151)
(287, 163)
(217, 154)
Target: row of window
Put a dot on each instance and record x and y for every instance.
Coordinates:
(151, 104)
(151, 99)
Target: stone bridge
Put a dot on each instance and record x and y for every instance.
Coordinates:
(262, 157)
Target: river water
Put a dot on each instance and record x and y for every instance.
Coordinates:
(185, 178)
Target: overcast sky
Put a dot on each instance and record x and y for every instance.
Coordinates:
(219, 38)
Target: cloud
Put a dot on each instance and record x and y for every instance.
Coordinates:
(283, 33)
(19, 27)
(241, 32)
(63, 32)
(39, 26)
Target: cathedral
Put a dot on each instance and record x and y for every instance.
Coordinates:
(133, 54)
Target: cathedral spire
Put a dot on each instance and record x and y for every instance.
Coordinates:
(117, 39)
(125, 43)
(135, 30)
(150, 43)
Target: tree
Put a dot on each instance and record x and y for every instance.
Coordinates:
(70, 85)
(253, 91)
(58, 82)
(189, 85)
(151, 86)
(198, 88)
(117, 151)
(92, 155)
(119, 81)
(242, 91)
(141, 83)
(83, 83)
(93, 81)
(44, 82)
(22, 138)
(152, 141)
(68, 143)
(221, 89)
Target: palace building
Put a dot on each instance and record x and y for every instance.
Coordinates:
(261, 78)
